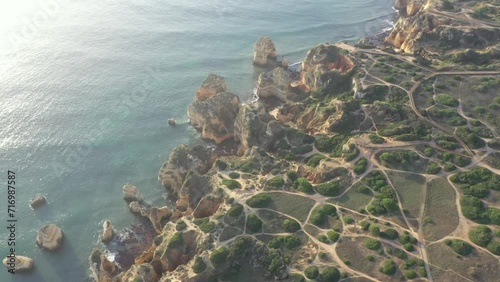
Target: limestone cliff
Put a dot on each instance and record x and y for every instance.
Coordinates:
(426, 26)
(215, 116)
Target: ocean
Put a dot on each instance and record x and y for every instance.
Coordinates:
(87, 87)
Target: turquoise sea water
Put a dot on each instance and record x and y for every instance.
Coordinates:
(86, 88)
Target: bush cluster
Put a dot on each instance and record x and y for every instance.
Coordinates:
(319, 214)
(259, 201)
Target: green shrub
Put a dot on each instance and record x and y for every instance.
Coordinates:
(449, 167)
(375, 139)
(348, 219)
(319, 214)
(329, 274)
(199, 265)
(297, 277)
(235, 210)
(360, 166)
(375, 230)
(315, 159)
(372, 244)
(411, 274)
(365, 225)
(275, 182)
(409, 247)
(390, 234)
(433, 168)
(259, 201)
(231, 184)
(291, 225)
(207, 227)
(494, 247)
(302, 150)
(330, 189)
(303, 185)
(481, 235)
(292, 175)
(175, 241)
(399, 253)
(370, 258)
(333, 236)
(254, 224)
(221, 165)
(218, 257)
(234, 175)
(447, 100)
(460, 247)
(388, 267)
(311, 272)
(181, 225)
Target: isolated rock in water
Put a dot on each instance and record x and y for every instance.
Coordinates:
(130, 193)
(327, 67)
(50, 237)
(107, 231)
(215, 116)
(264, 49)
(172, 122)
(21, 263)
(212, 85)
(38, 201)
(275, 83)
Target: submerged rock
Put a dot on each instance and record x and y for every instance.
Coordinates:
(50, 237)
(172, 122)
(38, 201)
(21, 263)
(263, 51)
(212, 85)
(215, 116)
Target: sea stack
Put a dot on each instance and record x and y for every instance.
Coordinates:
(212, 85)
(264, 52)
(50, 237)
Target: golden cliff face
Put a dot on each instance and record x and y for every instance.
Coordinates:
(426, 26)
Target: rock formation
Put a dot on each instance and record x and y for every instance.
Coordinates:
(212, 85)
(264, 51)
(50, 237)
(275, 83)
(327, 67)
(421, 28)
(215, 116)
(21, 263)
(130, 193)
(38, 201)
(107, 232)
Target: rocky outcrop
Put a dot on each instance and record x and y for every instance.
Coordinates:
(254, 126)
(159, 217)
(264, 52)
(142, 272)
(212, 85)
(275, 83)
(38, 201)
(20, 263)
(50, 237)
(107, 231)
(175, 249)
(408, 8)
(215, 116)
(324, 119)
(420, 29)
(183, 159)
(130, 193)
(327, 67)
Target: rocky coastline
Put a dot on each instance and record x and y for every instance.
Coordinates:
(262, 146)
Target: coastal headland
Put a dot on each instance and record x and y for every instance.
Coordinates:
(369, 163)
